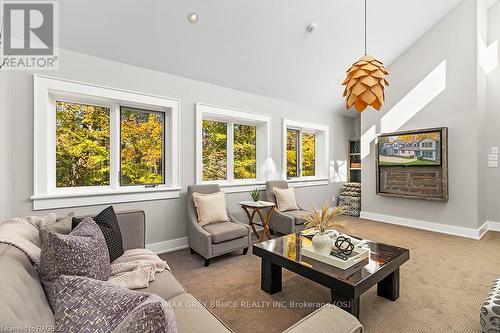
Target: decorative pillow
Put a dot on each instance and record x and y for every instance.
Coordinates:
(285, 199)
(211, 208)
(82, 252)
(87, 305)
(107, 221)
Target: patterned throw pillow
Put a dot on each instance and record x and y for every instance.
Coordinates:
(107, 221)
(88, 305)
(82, 252)
(490, 311)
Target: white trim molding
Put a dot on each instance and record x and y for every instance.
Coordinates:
(46, 195)
(433, 226)
(232, 117)
(169, 245)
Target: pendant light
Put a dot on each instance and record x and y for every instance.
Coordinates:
(365, 82)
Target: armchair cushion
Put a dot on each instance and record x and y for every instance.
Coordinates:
(211, 208)
(226, 231)
(298, 215)
(285, 199)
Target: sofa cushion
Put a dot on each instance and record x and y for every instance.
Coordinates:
(192, 316)
(108, 223)
(210, 207)
(82, 252)
(165, 285)
(285, 199)
(225, 231)
(298, 215)
(23, 302)
(81, 304)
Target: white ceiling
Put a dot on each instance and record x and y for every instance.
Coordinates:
(258, 46)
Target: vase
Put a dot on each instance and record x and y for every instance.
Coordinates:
(322, 243)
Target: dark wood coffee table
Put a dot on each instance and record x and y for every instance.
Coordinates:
(381, 268)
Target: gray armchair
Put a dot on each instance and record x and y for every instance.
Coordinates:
(215, 239)
(288, 222)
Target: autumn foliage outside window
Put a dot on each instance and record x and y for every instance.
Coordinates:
(82, 145)
(292, 149)
(214, 155)
(245, 151)
(216, 147)
(142, 147)
(300, 154)
(308, 154)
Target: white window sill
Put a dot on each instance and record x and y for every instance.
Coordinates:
(90, 198)
(308, 181)
(239, 186)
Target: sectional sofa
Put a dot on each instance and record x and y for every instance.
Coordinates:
(24, 306)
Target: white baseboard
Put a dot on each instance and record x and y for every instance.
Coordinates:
(168, 246)
(432, 226)
(493, 226)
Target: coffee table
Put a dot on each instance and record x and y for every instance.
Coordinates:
(381, 268)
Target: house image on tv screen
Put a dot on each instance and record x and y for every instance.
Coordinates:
(416, 149)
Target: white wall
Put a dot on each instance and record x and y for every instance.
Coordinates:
(165, 218)
(492, 125)
(415, 100)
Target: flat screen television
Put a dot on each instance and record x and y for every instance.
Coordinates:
(410, 149)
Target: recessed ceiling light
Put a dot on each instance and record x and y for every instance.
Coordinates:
(312, 27)
(193, 18)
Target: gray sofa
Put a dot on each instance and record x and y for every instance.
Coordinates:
(24, 306)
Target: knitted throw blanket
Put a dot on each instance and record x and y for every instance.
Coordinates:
(136, 268)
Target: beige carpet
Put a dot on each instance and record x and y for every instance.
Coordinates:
(442, 286)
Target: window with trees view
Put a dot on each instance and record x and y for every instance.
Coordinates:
(82, 145)
(308, 154)
(216, 146)
(245, 151)
(230, 145)
(305, 151)
(99, 145)
(214, 138)
(292, 153)
(300, 153)
(142, 146)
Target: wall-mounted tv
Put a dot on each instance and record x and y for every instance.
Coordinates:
(410, 149)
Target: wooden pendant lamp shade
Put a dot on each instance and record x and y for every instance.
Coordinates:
(366, 81)
(365, 84)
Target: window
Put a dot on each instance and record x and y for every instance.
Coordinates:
(98, 145)
(214, 150)
(308, 154)
(245, 151)
(300, 154)
(292, 153)
(305, 151)
(142, 145)
(231, 147)
(82, 145)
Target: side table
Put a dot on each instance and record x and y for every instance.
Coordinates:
(257, 207)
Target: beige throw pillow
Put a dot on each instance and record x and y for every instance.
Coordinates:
(285, 199)
(211, 207)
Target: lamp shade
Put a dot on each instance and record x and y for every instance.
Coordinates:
(365, 84)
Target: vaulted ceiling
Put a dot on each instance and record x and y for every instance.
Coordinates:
(258, 46)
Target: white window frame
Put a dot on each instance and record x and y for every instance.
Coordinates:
(48, 90)
(322, 152)
(230, 117)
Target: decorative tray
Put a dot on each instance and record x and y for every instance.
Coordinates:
(359, 253)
